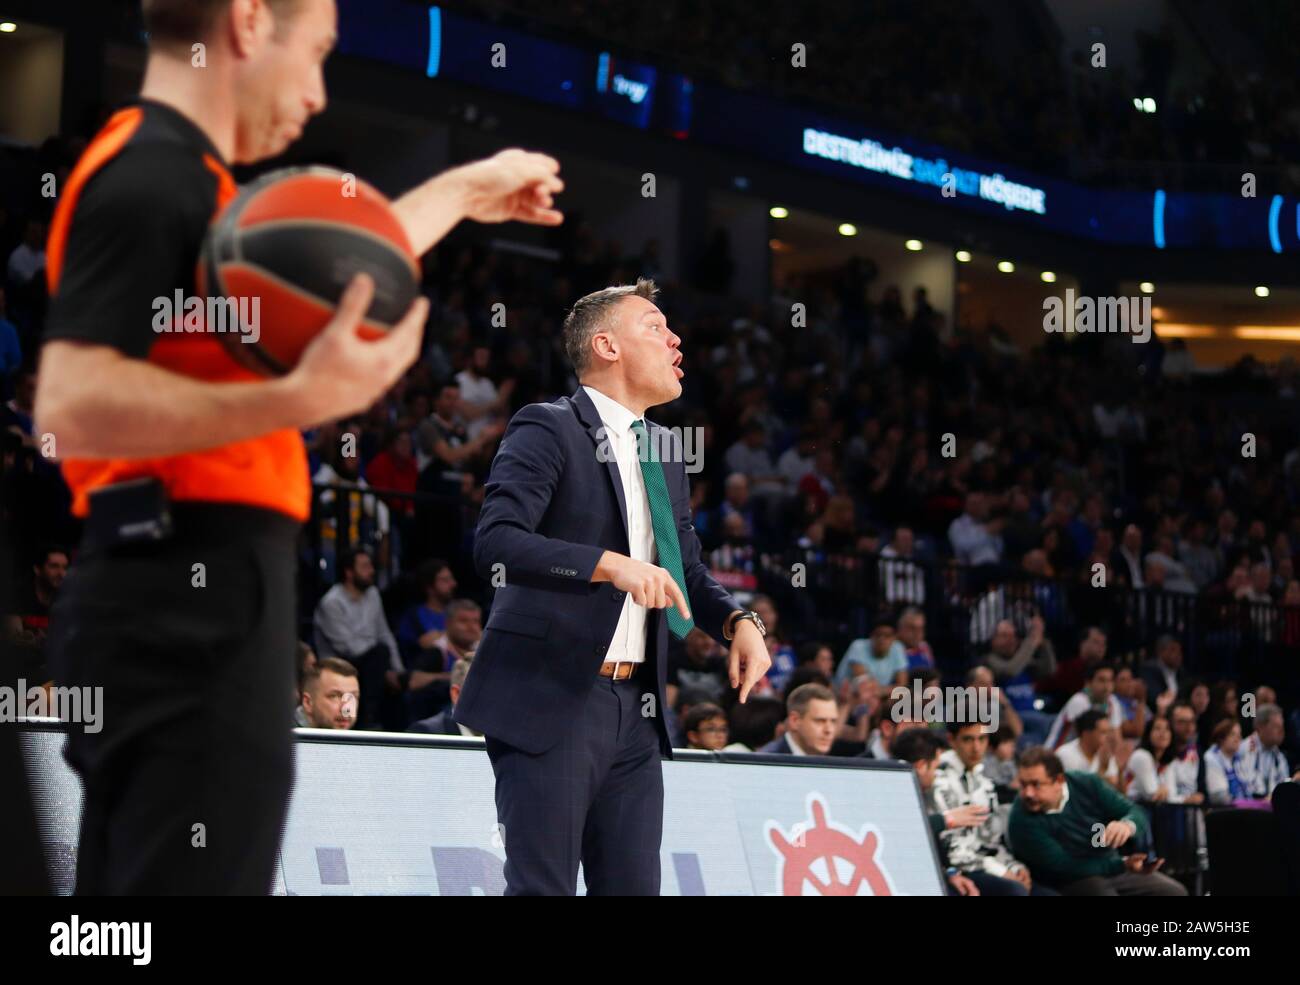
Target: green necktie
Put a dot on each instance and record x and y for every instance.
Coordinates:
(665, 525)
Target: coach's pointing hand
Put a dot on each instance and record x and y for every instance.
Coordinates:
(748, 659)
(648, 584)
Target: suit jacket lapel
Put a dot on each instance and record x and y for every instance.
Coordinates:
(590, 418)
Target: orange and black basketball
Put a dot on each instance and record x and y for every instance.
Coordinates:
(293, 240)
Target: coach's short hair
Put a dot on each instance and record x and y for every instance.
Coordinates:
(187, 21)
(799, 699)
(590, 313)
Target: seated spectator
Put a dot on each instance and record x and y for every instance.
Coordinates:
(1127, 559)
(811, 719)
(754, 724)
(778, 646)
(394, 469)
(820, 657)
(27, 260)
(859, 699)
(481, 402)
(975, 539)
(797, 460)
(735, 502)
(676, 715)
(1041, 583)
(1094, 750)
(330, 696)
(1054, 823)
(1098, 694)
(1222, 705)
(1069, 676)
(876, 656)
(1198, 559)
(920, 748)
(893, 714)
(981, 677)
(977, 851)
(1262, 761)
(445, 451)
(424, 625)
(1226, 782)
(1176, 576)
(749, 456)
(1000, 761)
(705, 726)
(306, 661)
(429, 673)
(901, 579)
(698, 664)
(1017, 666)
(1132, 696)
(1149, 770)
(28, 622)
(1163, 675)
(442, 723)
(911, 637)
(349, 623)
(1197, 694)
(1188, 765)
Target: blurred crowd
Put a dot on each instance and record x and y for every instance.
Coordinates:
(996, 81)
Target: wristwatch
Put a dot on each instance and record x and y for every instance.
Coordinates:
(729, 626)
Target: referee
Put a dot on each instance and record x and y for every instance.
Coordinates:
(190, 472)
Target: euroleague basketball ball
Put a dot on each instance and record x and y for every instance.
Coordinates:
(282, 253)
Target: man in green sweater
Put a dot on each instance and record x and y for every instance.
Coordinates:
(1068, 827)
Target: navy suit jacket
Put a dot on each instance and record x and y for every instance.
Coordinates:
(551, 508)
(779, 746)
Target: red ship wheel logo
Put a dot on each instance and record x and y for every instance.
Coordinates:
(827, 859)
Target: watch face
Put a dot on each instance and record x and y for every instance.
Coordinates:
(758, 622)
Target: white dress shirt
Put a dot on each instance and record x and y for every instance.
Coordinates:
(628, 643)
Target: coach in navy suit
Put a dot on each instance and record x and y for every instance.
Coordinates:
(586, 532)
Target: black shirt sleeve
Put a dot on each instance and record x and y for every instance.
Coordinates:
(135, 237)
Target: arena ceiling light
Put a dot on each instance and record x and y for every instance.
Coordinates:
(914, 245)
(8, 27)
(1006, 266)
(963, 256)
(1146, 287)
(778, 212)
(1048, 276)
(848, 229)
(1261, 291)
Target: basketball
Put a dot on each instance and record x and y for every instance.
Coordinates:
(285, 250)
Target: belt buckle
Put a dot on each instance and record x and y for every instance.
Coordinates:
(617, 665)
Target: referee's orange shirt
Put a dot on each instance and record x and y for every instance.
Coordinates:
(127, 231)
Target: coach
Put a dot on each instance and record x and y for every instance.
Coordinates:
(586, 529)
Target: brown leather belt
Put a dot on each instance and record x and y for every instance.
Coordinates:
(618, 670)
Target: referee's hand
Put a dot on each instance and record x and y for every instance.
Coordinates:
(341, 373)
